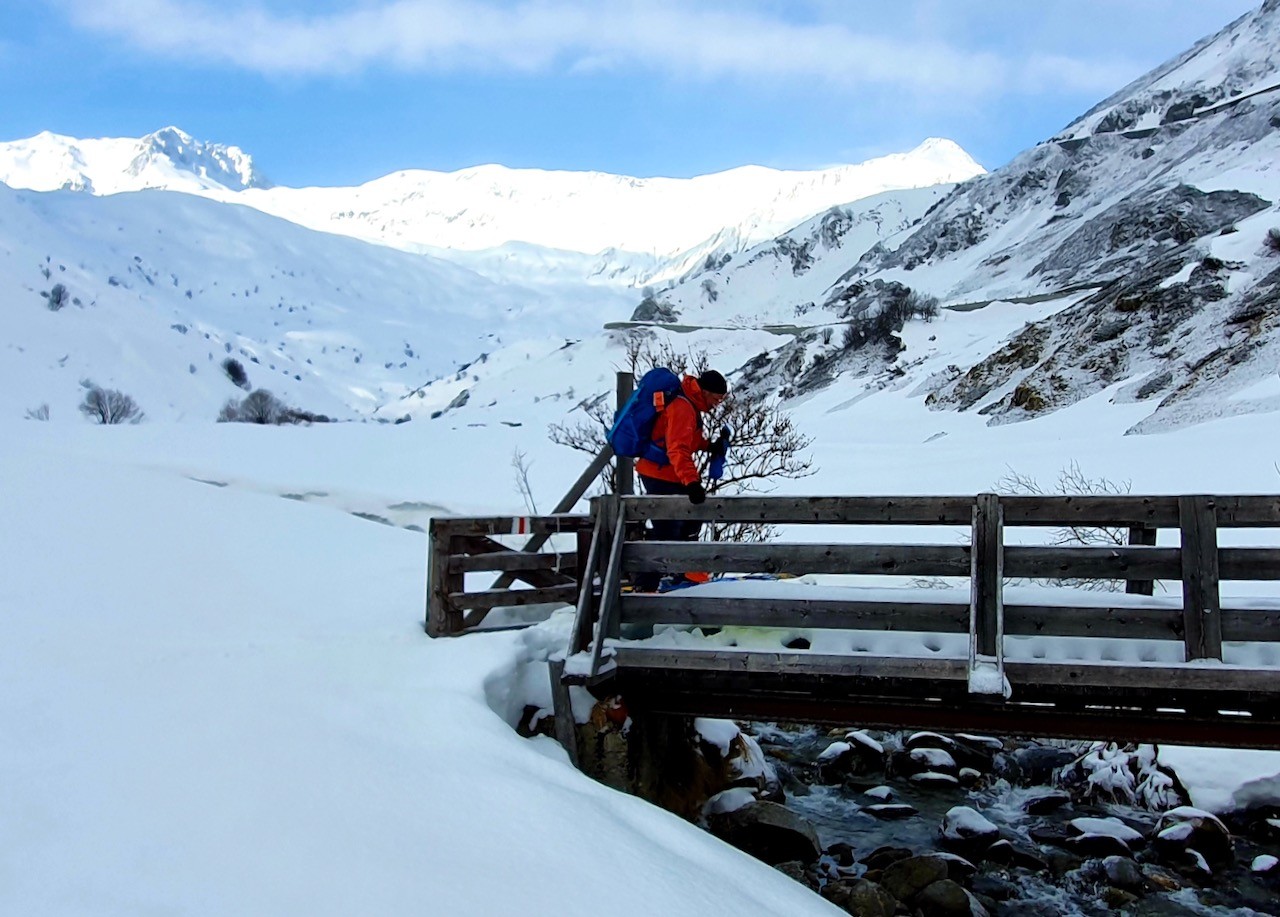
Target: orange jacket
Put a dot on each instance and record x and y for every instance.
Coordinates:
(678, 430)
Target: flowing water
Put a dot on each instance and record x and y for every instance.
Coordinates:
(1072, 886)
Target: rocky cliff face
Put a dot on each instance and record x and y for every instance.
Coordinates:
(1153, 219)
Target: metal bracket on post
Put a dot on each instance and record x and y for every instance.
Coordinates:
(986, 605)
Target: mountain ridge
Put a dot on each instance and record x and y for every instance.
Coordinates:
(630, 231)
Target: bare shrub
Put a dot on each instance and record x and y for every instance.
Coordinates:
(40, 413)
(1072, 481)
(108, 406)
(230, 412)
(520, 464)
(262, 407)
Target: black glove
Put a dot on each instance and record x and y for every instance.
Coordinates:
(697, 493)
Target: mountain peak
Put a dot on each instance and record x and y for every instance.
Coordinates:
(169, 158)
(228, 166)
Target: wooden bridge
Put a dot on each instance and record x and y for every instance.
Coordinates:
(1182, 667)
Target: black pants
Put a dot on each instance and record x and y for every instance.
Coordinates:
(664, 529)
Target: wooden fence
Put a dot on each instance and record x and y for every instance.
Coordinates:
(1200, 700)
(458, 546)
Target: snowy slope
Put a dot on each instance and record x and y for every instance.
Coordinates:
(158, 289)
(1153, 241)
(780, 281)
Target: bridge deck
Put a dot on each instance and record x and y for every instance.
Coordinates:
(1134, 687)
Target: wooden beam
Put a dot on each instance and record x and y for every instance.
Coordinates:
(801, 510)
(1256, 625)
(1249, 563)
(793, 613)
(1112, 510)
(1156, 677)
(1111, 622)
(562, 708)
(499, 598)
(740, 557)
(1200, 603)
(954, 715)
(515, 562)
(1114, 621)
(1091, 562)
(1123, 510)
(611, 586)
(1248, 511)
(512, 525)
(799, 663)
(585, 615)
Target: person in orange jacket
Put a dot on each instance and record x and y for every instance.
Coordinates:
(678, 432)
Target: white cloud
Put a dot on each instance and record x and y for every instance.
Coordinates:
(682, 39)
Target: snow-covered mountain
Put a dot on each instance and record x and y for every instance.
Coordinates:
(1137, 257)
(168, 159)
(667, 223)
(131, 286)
(1149, 226)
(150, 293)
(521, 225)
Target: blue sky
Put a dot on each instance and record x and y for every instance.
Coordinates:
(336, 92)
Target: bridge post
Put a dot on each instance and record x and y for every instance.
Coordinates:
(624, 471)
(986, 612)
(1201, 606)
(442, 618)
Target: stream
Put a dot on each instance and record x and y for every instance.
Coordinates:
(1040, 799)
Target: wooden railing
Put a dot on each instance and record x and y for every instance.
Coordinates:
(458, 546)
(1201, 623)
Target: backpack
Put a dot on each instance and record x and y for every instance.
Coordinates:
(632, 432)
